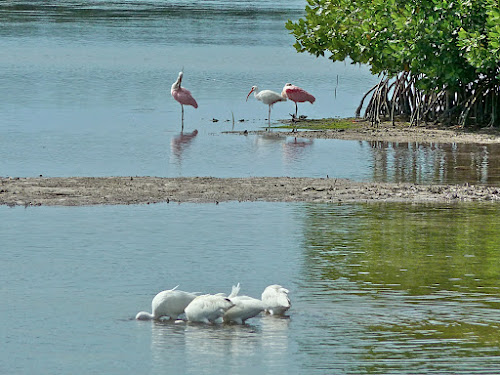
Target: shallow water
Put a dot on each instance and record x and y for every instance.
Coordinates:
(386, 289)
(383, 289)
(85, 92)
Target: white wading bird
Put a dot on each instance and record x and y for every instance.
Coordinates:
(245, 307)
(267, 97)
(276, 300)
(169, 303)
(208, 308)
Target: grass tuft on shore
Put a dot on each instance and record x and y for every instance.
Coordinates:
(349, 123)
(321, 124)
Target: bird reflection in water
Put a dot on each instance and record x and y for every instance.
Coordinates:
(187, 348)
(269, 138)
(293, 149)
(178, 144)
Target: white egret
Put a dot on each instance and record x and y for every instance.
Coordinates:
(244, 308)
(267, 97)
(276, 300)
(169, 303)
(208, 308)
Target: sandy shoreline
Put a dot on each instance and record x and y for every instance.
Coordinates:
(386, 132)
(83, 191)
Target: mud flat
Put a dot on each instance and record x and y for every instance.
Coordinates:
(84, 191)
(385, 132)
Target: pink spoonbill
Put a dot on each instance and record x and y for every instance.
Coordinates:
(182, 95)
(267, 97)
(297, 95)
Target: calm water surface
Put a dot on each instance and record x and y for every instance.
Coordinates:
(85, 92)
(383, 289)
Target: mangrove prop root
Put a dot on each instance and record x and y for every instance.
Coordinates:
(475, 104)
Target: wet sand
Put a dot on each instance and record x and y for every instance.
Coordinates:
(403, 134)
(79, 191)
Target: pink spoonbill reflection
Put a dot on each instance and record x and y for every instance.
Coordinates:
(179, 143)
(267, 97)
(182, 95)
(293, 150)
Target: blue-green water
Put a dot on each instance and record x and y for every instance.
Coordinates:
(384, 289)
(85, 89)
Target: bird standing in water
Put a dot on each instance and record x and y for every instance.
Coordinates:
(208, 308)
(276, 299)
(297, 95)
(167, 304)
(244, 308)
(267, 97)
(182, 95)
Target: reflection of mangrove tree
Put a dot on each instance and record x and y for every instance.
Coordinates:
(419, 249)
(435, 163)
(421, 281)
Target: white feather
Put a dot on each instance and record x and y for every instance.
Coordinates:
(168, 303)
(208, 308)
(244, 308)
(276, 300)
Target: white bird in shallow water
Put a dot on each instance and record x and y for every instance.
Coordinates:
(244, 308)
(267, 97)
(276, 300)
(169, 303)
(208, 308)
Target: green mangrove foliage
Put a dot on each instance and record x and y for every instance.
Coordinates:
(439, 60)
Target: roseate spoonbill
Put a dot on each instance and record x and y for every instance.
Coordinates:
(297, 95)
(208, 308)
(267, 97)
(276, 300)
(169, 303)
(182, 95)
(244, 308)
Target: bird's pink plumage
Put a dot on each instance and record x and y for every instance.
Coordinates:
(298, 95)
(184, 97)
